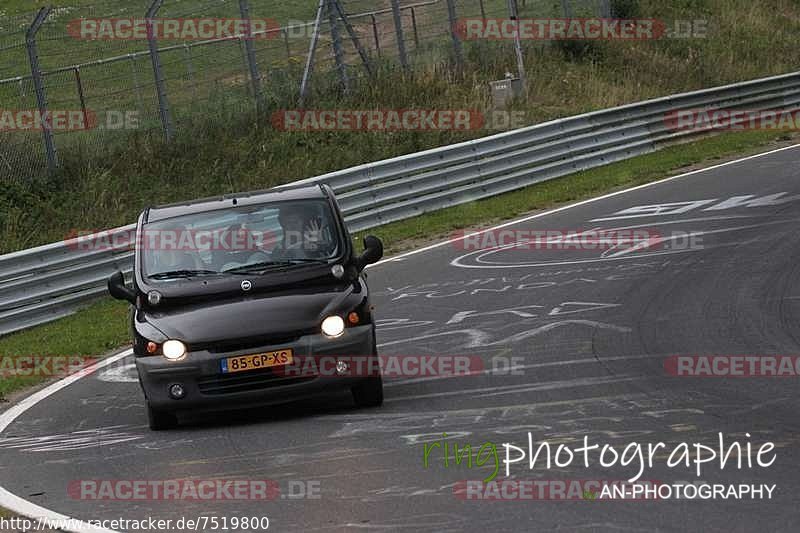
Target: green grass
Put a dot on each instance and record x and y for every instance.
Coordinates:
(94, 331)
(104, 325)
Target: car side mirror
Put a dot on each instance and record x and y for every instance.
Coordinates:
(118, 290)
(373, 251)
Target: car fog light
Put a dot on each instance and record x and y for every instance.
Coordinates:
(342, 367)
(174, 350)
(333, 326)
(337, 271)
(176, 391)
(154, 297)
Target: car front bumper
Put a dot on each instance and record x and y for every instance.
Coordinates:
(208, 389)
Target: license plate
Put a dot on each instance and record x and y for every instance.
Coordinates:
(243, 363)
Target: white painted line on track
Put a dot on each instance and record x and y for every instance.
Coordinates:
(24, 507)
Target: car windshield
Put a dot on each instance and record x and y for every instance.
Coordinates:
(250, 240)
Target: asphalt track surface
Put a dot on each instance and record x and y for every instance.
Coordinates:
(590, 331)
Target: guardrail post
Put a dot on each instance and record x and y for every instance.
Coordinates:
(255, 75)
(398, 31)
(338, 53)
(312, 49)
(38, 84)
(161, 90)
(459, 54)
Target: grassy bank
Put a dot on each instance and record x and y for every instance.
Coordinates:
(103, 326)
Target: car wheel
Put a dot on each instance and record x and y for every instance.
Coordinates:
(369, 393)
(160, 420)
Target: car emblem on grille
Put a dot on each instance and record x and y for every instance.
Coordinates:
(246, 285)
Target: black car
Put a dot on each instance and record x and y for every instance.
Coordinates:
(250, 299)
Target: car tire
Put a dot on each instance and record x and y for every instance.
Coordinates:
(161, 420)
(369, 393)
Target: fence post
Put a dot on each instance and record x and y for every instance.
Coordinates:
(605, 9)
(187, 54)
(414, 26)
(398, 30)
(137, 85)
(311, 51)
(158, 75)
(353, 37)
(567, 8)
(38, 84)
(82, 98)
(255, 75)
(451, 18)
(338, 53)
(375, 35)
(288, 47)
(513, 11)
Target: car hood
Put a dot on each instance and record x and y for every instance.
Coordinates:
(257, 315)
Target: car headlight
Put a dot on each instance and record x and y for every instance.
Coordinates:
(173, 350)
(333, 326)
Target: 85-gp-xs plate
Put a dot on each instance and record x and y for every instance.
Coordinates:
(243, 363)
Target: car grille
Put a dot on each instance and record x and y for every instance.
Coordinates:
(252, 343)
(246, 382)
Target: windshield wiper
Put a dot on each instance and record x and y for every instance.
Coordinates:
(269, 265)
(182, 274)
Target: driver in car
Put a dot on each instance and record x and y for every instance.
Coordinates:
(304, 235)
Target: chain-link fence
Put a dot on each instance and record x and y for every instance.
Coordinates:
(76, 80)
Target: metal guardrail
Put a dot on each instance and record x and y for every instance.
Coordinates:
(45, 283)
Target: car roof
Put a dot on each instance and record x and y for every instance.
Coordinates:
(162, 212)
